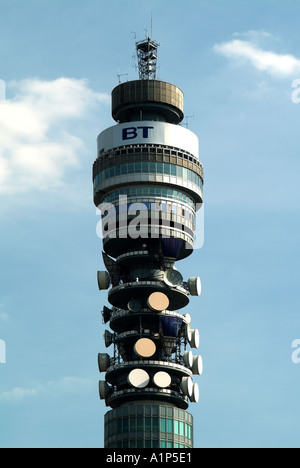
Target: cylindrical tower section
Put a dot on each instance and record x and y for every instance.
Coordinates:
(148, 184)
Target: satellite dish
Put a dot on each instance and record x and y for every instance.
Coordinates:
(195, 393)
(173, 278)
(138, 378)
(106, 314)
(197, 366)
(112, 268)
(145, 348)
(187, 386)
(158, 302)
(108, 338)
(103, 280)
(188, 333)
(187, 318)
(195, 286)
(188, 358)
(103, 362)
(194, 339)
(162, 379)
(134, 306)
(103, 390)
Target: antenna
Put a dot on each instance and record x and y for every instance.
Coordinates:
(187, 117)
(147, 58)
(120, 75)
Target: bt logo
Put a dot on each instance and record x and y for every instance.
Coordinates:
(130, 133)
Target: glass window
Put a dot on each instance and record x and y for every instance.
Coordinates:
(163, 424)
(163, 444)
(179, 171)
(132, 424)
(173, 170)
(140, 424)
(170, 426)
(155, 424)
(130, 168)
(169, 444)
(125, 425)
(119, 426)
(176, 427)
(145, 167)
(160, 168)
(106, 173)
(124, 169)
(166, 169)
(147, 424)
(185, 173)
(152, 167)
(112, 172)
(138, 167)
(181, 428)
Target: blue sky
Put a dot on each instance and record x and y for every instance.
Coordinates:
(236, 61)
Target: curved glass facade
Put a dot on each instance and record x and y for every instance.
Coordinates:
(144, 167)
(148, 426)
(150, 191)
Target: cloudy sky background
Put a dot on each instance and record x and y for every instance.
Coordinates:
(238, 63)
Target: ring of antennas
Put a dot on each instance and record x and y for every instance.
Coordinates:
(137, 358)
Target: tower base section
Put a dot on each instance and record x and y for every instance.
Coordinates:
(148, 425)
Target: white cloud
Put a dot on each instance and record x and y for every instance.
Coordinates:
(271, 62)
(36, 146)
(50, 389)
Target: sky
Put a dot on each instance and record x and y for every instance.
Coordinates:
(238, 63)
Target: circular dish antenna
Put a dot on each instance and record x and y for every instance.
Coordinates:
(197, 367)
(103, 280)
(195, 286)
(134, 306)
(188, 332)
(195, 339)
(108, 338)
(187, 318)
(145, 348)
(195, 393)
(173, 278)
(138, 378)
(103, 390)
(158, 302)
(103, 362)
(187, 386)
(188, 358)
(162, 379)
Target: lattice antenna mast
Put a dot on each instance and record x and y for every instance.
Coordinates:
(147, 58)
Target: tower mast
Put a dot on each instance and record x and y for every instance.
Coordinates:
(148, 184)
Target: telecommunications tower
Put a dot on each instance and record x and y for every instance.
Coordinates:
(148, 184)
